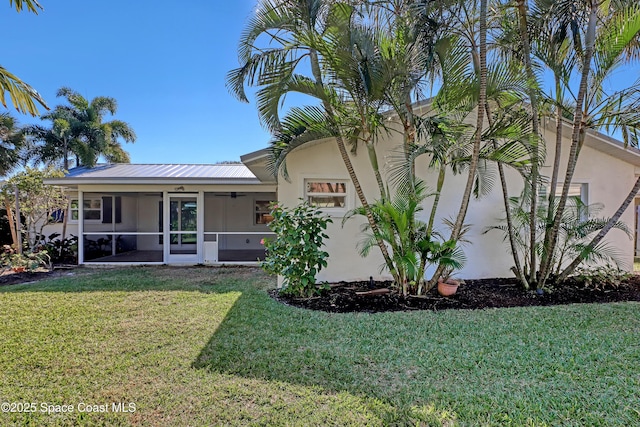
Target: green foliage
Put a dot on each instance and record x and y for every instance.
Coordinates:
(412, 243)
(602, 277)
(296, 252)
(62, 251)
(27, 261)
(37, 200)
(579, 223)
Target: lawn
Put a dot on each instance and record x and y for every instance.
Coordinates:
(204, 346)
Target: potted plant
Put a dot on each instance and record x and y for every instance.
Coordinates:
(447, 286)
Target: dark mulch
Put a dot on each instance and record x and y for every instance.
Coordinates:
(472, 294)
(10, 278)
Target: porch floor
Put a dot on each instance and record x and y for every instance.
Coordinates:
(242, 255)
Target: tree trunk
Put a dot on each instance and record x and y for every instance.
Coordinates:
(557, 154)
(315, 69)
(11, 219)
(524, 35)
(473, 166)
(436, 199)
(517, 269)
(551, 237)
(623, 207)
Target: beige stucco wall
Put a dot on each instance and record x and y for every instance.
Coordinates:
(609, 180)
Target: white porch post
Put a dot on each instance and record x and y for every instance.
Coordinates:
(80, 227)
(166, 211)
(200, 226)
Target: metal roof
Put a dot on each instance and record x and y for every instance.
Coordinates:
(126, 173)
(128, 170)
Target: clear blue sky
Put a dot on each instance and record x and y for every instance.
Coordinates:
(164, 62)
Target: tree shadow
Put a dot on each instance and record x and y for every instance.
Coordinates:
(263, 339)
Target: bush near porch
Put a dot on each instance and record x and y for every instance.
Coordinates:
(204, 346)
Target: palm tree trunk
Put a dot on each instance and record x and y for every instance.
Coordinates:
(577, 136)
(315, 69)
(436, 199)
(473, 166)
(373, 159)
(612, 221)
(507, 208)
(557, 153)
(524, 35)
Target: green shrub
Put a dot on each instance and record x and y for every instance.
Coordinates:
(601, 278)
(296, 252)
(28, 261)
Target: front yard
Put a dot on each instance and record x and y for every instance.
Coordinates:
(204, 346)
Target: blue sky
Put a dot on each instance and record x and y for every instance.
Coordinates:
(164, 62)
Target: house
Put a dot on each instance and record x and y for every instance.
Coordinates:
(172, 214)
(167, 214)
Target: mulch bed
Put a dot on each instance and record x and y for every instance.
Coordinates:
(472, 294)
(10, 278)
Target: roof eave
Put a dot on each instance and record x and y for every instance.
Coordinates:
(147, 181)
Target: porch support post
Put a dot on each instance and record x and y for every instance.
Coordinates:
(80, 227)
(200, 226)
(165, 226)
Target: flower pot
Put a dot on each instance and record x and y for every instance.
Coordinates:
(448, 288)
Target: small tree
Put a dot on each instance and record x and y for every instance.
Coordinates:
(296, 252)
(37, 200)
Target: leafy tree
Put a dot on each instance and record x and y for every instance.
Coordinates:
(296, 252)
(37, 200)
(23, 97)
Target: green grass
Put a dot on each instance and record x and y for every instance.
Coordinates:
(202, 346)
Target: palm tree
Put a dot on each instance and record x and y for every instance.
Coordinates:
(55, 144)
(301, 32)
(12, 142)
(23, 97)
(90, 137)
(603, 39)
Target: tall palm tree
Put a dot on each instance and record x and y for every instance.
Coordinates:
(604, 36)
(53, 144)
(23, 97)
(12, 142)
(297, 31)
(92, 137)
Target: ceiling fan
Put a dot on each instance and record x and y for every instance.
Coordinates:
(231, 194)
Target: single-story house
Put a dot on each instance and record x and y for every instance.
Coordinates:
(170, 214)
(167, 214)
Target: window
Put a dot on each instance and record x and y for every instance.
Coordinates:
(98, 209)
(263, 212)
(326, 194)
(577, 192)
(92, 209)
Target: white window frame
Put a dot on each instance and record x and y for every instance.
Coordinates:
(261, 211)
(584, 193)
(71, 210)
(348, 197)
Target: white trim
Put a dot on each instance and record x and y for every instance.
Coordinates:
(349, 199)
(80, 227)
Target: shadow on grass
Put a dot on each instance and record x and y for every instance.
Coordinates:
(206, 279)
(266, 340)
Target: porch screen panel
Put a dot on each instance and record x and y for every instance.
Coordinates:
(121, 227)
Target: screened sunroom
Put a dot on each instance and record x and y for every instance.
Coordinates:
(194, 220)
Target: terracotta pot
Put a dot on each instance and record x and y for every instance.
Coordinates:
(448, 288)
